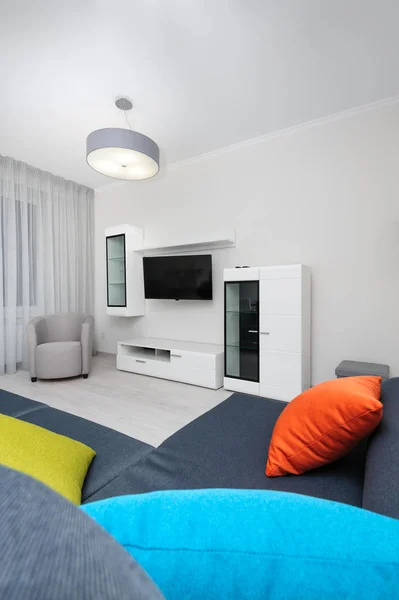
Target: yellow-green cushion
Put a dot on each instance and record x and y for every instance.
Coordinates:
(53, 459)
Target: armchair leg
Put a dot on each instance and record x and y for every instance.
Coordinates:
(33, 379)
(85, 375)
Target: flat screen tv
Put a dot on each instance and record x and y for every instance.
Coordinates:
(178, 277)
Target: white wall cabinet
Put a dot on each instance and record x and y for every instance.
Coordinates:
(267, 331)
(124, 267)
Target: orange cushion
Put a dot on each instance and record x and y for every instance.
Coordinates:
(323, 424)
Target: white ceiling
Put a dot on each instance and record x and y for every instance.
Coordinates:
(202, 74)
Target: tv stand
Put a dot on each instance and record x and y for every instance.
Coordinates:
(187, 362)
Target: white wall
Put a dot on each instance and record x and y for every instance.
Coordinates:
(326, 196)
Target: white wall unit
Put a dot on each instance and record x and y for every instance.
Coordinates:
(197, 364)
(124, 271)
(281, 343)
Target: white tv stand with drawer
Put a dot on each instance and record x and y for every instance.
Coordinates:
(188, 362)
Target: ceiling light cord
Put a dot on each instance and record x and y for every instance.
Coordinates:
(127, 120)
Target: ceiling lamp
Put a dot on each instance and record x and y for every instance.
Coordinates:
(122, 153)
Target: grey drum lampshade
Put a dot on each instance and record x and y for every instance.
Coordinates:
(122, 154)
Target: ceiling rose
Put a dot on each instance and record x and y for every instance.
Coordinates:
(122, 153)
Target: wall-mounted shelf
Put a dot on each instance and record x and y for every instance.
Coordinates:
(193, 243)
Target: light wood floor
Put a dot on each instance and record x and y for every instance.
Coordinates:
(146, 408)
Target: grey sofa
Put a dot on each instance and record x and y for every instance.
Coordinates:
(60, 345)
(227, 448)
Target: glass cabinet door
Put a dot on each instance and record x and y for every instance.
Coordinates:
(116, 270)
(242, 330)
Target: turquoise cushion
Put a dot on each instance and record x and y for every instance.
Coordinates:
(242, 544)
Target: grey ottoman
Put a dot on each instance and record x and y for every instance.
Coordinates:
(352, 368)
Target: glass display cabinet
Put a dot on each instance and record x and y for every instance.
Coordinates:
(116, 270)
(242, 330)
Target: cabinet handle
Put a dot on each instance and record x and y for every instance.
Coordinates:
(141, 361)
(265, 332)
(176, 355)
(253, 331)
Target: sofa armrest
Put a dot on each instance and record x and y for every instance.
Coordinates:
(381, 478)
(87, 343)
(36, 332)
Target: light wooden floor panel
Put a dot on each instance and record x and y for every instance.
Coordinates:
(143, 407)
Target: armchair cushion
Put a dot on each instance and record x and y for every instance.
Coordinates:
(56, 360)
(64, 327)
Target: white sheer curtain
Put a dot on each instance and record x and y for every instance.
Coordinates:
(46, 253)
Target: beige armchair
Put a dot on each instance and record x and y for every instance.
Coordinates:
(60, 345)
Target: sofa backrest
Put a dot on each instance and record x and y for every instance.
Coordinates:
(381, 478)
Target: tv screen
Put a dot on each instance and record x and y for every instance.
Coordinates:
(178, 277)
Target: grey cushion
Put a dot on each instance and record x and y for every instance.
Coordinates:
(55, 360)
(381, 480)
(353, 368)
(51, 550)
(227, 448)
